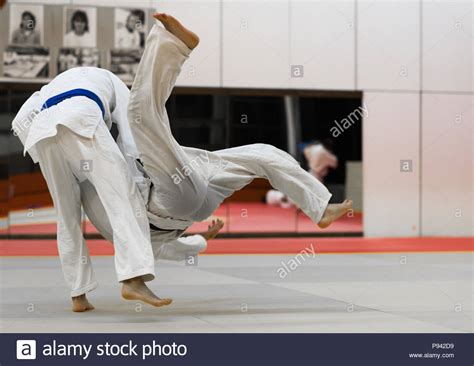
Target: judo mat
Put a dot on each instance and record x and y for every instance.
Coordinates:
(238, 217)
(428, 292)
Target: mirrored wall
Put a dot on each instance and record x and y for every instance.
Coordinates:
(321, 130)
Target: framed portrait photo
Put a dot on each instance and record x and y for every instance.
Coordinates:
(80, 27)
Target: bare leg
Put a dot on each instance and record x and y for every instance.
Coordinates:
(334, 212)
(173, 26)
(213, 229)
(81, 304)
(136, 289)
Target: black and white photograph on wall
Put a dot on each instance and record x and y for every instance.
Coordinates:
(124, 63)
(130, 28)
(80, 27)
(26, 62)
(26, 24)
(74, 57)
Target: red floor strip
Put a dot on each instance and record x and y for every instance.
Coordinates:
(339, 245)
(268, 246)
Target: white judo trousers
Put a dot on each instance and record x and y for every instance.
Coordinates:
(67, 159)
(71, 141)
(164, 245)
(188, 183)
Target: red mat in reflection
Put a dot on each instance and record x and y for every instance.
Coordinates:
(239, 217)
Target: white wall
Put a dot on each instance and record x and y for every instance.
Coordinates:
(256, 44)
(323, 42)
(447, 167)
(203, 68)
(391, 134)
(388, 36)
(447, 45)
(447, 118)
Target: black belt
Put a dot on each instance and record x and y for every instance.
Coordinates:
(155, 228)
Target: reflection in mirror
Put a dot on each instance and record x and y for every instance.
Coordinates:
(4, 163)
(4, 184)
(302, 125)
(331, 150)
(30, 208)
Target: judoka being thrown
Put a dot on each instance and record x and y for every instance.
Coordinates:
(144, 191)
(189, 184)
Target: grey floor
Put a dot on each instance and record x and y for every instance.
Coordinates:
(391, 293)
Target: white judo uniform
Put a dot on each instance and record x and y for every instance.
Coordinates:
(188, 184)
(82, 163)
(320, 160)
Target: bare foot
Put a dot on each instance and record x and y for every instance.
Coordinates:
(333, 212)
(213, 229)
(135, 289)
(81, 304)
(172, 25)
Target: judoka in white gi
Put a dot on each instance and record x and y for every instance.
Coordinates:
(188, 184)
(319, 159)
(64, 127)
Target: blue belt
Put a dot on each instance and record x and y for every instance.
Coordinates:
(74, 93)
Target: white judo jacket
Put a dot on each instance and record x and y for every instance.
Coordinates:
(31, 125)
